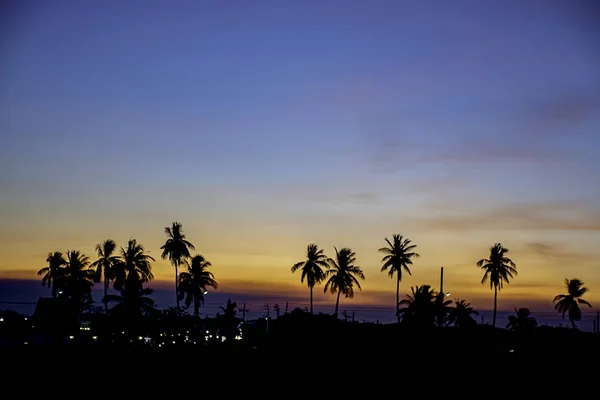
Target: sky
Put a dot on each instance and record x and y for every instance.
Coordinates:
(264, 126)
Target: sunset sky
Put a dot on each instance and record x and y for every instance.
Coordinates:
(263, 126)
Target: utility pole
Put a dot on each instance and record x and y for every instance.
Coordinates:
(441, 279)
(244, 310)
(276, 307)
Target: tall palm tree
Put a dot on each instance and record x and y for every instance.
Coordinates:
(176, 249)
(312, 268)
(499, 269)
(569, 303)
(342, 275)
(51, 274)
(78, 277)
(461, 315)
(106, 265)
(398, 256)
(193, 283)
(522, 320)
(134, 261)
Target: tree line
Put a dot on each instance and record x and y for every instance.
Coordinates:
(423, 306)
(129, 269)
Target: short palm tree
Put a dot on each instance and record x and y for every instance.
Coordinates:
(461, 315)
(420, 307)
(569, 303)
(193, 283)
(398, 256)
(176, 249)
(312, 268)
(134, 261)
(106, 265)
(78, 277)
(51, 275)
(133, 301)
(342, 275)
(499, 269)
(522, 321)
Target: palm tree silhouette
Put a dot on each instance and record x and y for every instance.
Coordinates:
(399, 254)
(498, 269)
(342, 275)
(105, 265)
(52, 274)
(133, 301)
(522, 321)
(460, 315)
(134, 261)
(420, 307)
(176, 249)
(569, 303)
(312, 268)
(78, 278)
(193, 284)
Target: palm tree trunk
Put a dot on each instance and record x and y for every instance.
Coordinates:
(311, 297)
(176, 286)
(572, 323)
(337, 303)
(398, 297)
(105, 294)
(495, 305)
(196, 309)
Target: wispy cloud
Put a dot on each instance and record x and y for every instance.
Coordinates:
(560, 115)
(525, 216)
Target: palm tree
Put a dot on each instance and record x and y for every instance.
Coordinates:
(460, 315)
(522, 321)
(399, 254)
(106, 265)
(53, 272)
(78, 278)
(569, 303)
(176, 249)
(420, 307)
(192, 284)
(342, 275)
(133, 301)
(498, 269)
(227, 322)
(134, 261)
(312, 268)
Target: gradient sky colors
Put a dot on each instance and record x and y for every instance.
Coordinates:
(265, 125)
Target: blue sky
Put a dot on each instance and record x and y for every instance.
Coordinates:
(265, 125)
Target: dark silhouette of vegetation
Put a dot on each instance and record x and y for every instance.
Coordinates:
(398, 256)
(106, 265)
(521, 321)
(193, 283)
(569, 303)
(134, 261)
(498, 269)
(429, 324)
(76, 280)
(53, 272)
(312, 268)
(342, 275)
(176, 249)
(461, 316)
